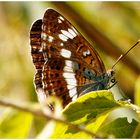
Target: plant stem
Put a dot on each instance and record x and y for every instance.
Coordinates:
(40, 113)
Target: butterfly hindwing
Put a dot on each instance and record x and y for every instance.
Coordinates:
(36, 51)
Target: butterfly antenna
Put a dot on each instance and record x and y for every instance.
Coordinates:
(123, 55)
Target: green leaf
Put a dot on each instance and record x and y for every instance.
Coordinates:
(136, 134)
(89, 110)
(120, 128)
(15, 124)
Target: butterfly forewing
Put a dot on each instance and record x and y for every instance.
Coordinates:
(64, 60)
(60, 34)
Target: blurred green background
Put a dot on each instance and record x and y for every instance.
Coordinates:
(118, 21)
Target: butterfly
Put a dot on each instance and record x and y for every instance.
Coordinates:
(67, 66)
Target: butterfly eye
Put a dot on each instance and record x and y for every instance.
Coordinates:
(113, 80)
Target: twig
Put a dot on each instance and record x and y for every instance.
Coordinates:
(36, 112)
(46, 116)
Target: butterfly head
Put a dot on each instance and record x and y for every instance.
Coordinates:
(111, 77)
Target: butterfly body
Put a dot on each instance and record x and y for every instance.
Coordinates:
(67, 66)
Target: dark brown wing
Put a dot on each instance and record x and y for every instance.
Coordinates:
(36, 51)
(64, 60)
(59, 33)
